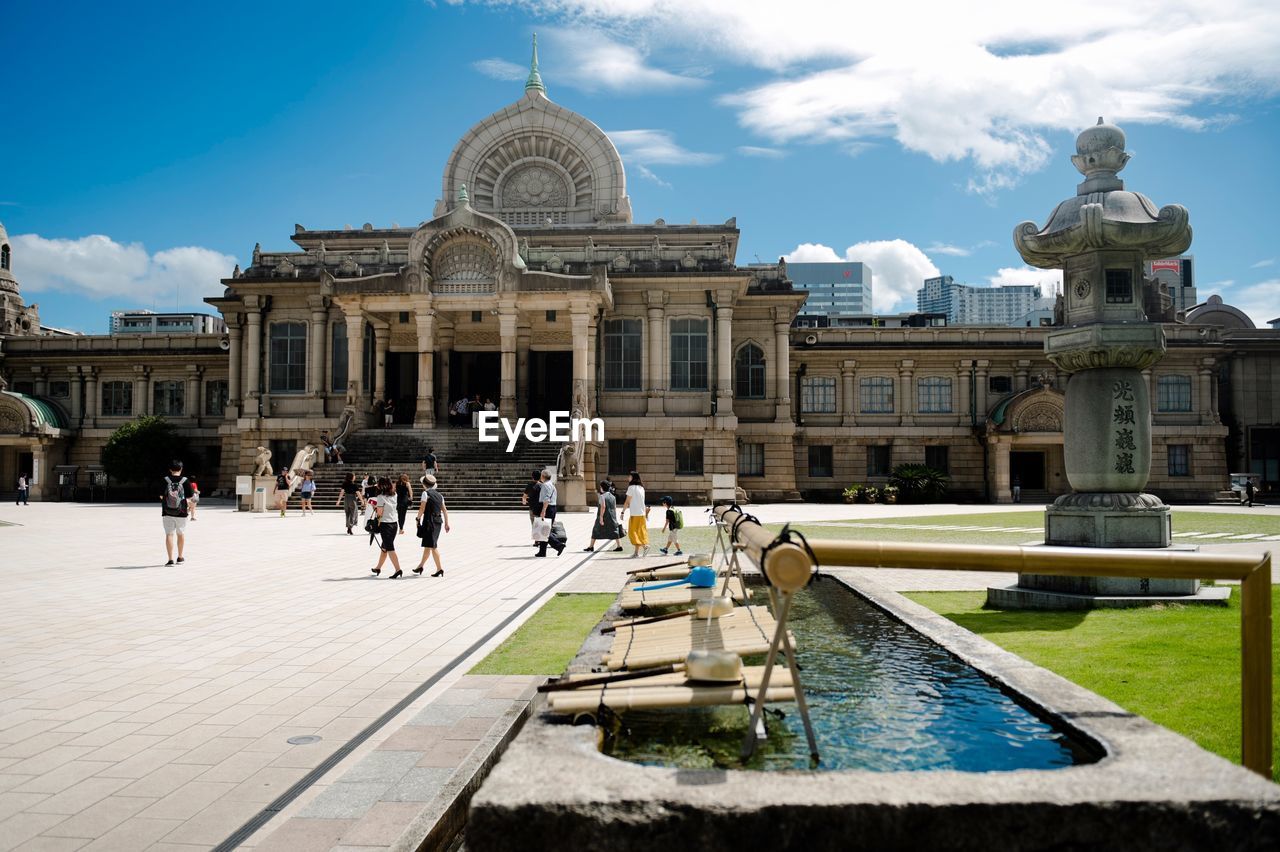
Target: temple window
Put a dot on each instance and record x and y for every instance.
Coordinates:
(818, 395)
(1173, 393)
(215, 397)
(751, 460)
(689, 355)
(688, 458)
(876, 394)
(117, 399)
(935, 395)
(338, 358)
(288, 357)
(169, 398)
(749, 373)
(622, 339)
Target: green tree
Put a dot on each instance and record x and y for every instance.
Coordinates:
(919, 483)
(141, 450)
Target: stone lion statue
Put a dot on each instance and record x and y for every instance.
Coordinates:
(310, 455)
(569, 463)
(262, 462)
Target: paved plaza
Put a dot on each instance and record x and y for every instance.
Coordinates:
(151, 707)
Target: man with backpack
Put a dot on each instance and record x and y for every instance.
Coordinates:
(175, 498)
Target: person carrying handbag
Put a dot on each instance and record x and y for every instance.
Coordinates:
(384, 507)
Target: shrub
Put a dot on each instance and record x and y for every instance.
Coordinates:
(852, 492)
(919, 483)
(141, 450)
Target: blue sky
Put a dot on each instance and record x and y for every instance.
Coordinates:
(151, 149)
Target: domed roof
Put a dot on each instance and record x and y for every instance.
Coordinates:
(535, 162)
(1214, 311)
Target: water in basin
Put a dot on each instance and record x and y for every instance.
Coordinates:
(882, 697)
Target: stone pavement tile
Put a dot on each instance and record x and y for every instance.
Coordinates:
(215, 751)
(266, 784)
(439, 715)
(305, 835)
(49, 759)
(412, 738)
(174, 723)
(157, 709)
(79, 796)
(165, 846)
(28, 728)
(195, 736)
(20, 828)
(238, 766)
(143, 764)
(381, 766)
(136, 833)
(510, 690)
(90, 722)
(9, 782)
(488, 708)
(57, 780)
(382, 825)
(188, 800)
(420, 784)
(213, 824)
(96, 820)
(162, 781)
(107, 734)
(32, 746)
(44, 843)
(344, 800)
(469, 729)
(12, 803)
(448, 753)
(454, 695)
(125, 747)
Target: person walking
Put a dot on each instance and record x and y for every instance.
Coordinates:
(1249, 491)
(194, 501)
(384, 508)
(547, 511)
(283, 481)
(638, 520)
(671, 524)
(433, 516)
(1017, 489)
(404, 495)
(606, 527)
(175, 496)
(306, 491)
(431, 464)
(532, 491)
(24, 490)
(349, 500)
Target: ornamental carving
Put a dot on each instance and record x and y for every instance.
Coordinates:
(1039, 417)
(534, 186)
(464, 259)
(13, 420)
(1137, 356)
(555, 263)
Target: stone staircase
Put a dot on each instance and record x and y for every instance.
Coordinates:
(472, 475)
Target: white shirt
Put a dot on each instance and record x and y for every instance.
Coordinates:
(388, 503)
(635, 493)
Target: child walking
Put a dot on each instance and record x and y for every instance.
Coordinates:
(307, 490)
(672, 524)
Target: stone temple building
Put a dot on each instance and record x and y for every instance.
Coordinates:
(532, 286)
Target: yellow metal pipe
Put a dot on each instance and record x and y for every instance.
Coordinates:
(1255, 591)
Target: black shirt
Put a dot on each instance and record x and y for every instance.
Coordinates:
(185, 493)
(431, 461)
(534, 492)
(351, 488)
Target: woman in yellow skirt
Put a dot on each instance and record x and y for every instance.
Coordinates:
(638, 520)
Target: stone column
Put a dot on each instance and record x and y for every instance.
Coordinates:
(724, 352)
(581, 337)
(316, 371)
(782, 367)
(234, 338)
(191, 393)
(355, 360)
(1021, 370)
(906, 402)
(655, 354)
(523, 335)
(425, 415)
(848, 391)
(41, 381)
(1205, 390)
(253, 363)
(141, 390)
(1000, 483)
(74, 380)
(980, 390)
(507, 320)
(960, 390)
(91, 404)
(381, 343)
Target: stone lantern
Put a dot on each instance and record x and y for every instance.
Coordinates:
(1100, 239)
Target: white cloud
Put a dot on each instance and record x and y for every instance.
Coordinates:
(1048, 280)
(657, 147)
(996, 89)
(1260, 301)
(500, 69)
(100, 268)
(898, 269)
(588, 59)
(757, 151)
(947, 248)
(650, 176)
(1260, 264)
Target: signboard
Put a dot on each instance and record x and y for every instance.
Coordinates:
(35, 470)
(244, 485)
(723, 486)
(1170, 265)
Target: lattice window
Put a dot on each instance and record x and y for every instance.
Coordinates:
(1173, 393)
(935, 395)
(876, 395)
(749, 372)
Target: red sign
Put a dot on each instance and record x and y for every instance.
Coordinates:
(1171, 265)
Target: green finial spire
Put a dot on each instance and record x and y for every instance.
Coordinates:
(534, 83)
(463, 198)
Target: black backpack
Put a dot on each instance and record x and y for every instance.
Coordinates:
(174, 495)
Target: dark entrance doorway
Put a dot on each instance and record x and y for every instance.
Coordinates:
(472, 373)
(1027, 468)
(402, 384)
(550, 383)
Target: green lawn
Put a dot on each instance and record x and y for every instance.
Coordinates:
(1178, 666)
(546, 643)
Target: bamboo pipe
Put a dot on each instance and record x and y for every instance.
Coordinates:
(1255, 592)
(752, 675)
(640, 698)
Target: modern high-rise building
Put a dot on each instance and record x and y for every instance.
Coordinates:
(1179, 274)
(150, 322)
(835, 289)
(964, 304)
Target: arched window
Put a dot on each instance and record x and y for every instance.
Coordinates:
(4, 256)
(749, 373)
